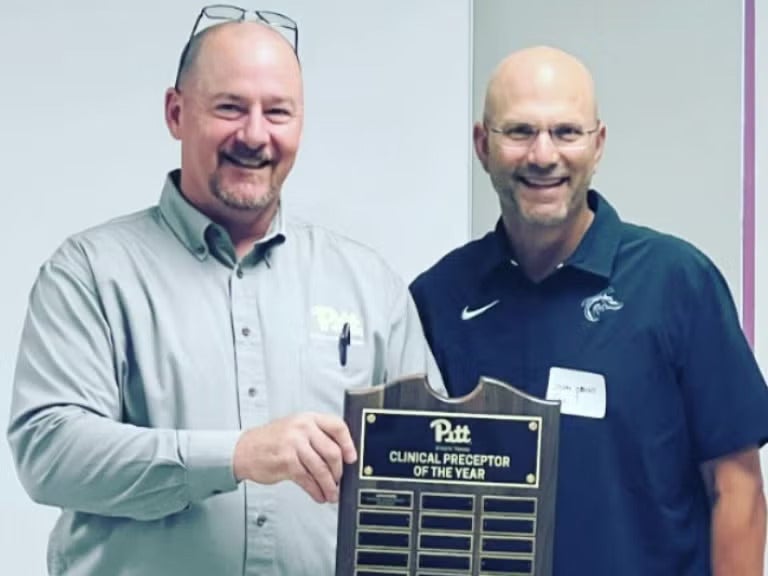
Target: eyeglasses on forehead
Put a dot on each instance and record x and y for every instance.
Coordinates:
(219, 13)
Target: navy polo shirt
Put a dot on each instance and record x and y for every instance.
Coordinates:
(654, 317)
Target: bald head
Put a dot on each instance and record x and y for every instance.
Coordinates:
(199, 44)
(541, 75)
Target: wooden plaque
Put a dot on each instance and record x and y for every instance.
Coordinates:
(448, 486)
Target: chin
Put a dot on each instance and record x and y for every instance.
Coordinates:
(546, 215)
(544, 220)
(245, 200)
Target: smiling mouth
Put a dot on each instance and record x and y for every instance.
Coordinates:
(543, 182)
(248, 164)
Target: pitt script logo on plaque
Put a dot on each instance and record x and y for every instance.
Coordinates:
(448, 486)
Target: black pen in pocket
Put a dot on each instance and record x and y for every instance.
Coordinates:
(344, 340)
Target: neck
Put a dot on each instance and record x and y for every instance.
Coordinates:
(541, 249)
(245, 227)
(244, 232)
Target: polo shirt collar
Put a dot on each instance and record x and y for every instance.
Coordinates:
(195, 230)
(594, 254)
(597, 250)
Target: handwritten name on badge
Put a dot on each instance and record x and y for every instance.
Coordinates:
(580, 393)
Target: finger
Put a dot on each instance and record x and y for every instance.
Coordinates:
(317, 468)
(329, 451)
(337, 429)
(305, 480)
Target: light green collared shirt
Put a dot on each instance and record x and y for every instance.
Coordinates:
(147, 349)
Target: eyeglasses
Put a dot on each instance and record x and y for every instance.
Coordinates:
(564, 136)
(228, 13)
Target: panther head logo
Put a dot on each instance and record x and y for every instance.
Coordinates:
(595, 305)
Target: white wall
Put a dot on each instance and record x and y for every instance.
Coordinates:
(82, 139)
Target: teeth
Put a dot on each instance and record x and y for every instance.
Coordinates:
(252, 163)
(544, 182)
(248, 164)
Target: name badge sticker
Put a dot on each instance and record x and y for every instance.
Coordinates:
(580, 393)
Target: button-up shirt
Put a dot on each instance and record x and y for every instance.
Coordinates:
(147, 348)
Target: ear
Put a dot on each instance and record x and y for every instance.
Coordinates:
(480, 137)
(599, 144)
(173, 106)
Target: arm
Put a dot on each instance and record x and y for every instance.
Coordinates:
(735, 487)
(67, 433)
(726, 402)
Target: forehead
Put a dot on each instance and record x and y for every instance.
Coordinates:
(245, 59)
(545, 95)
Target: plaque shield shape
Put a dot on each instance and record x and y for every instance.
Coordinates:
(448, 486)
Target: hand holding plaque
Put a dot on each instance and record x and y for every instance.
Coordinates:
(308, 449)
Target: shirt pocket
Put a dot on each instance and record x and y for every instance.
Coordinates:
(325, 375)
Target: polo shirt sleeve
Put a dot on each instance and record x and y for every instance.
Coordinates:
(70, 447)
(725, 394)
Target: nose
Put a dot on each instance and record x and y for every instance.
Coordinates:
(543, 151)
(253, 132)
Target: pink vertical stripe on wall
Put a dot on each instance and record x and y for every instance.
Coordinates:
(748, 202)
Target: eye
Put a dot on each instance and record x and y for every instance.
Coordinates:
(519, 132)
(229, 109)
(278, 114)
(567, 132)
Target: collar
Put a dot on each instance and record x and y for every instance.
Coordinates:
(201, 235)
(595, 253)
(597, 250)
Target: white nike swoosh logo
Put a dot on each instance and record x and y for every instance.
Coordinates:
(468, 314)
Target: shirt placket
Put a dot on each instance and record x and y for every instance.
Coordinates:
(260, 533)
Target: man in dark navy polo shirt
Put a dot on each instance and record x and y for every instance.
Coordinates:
(635, 332)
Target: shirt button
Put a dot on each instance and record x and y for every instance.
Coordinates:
(261, 520)
(200, 249)
(251, 392)
(246, 331)
(239, 272)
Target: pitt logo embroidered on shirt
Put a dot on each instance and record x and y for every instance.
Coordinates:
(327, 323)
(595, 305)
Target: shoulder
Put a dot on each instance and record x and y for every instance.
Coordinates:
(458, 267)
(334, 252)
(675, 283)
(114, 232)
(106, 243)
(644, 249)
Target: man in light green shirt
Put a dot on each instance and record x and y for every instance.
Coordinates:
(179, 385)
